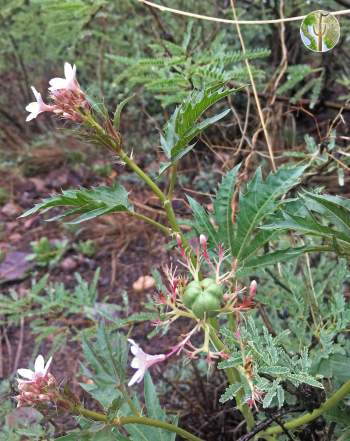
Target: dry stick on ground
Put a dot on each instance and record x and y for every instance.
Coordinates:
(243, 130)
(164, 30)
(266, 423)
(8, 346)
(19, 347)
(1, 357)
(265, 318)
(272, 116)
(255, 92)
(284, 61)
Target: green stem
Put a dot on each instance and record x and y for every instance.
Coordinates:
(172, 182)
(151, 221)
(158, 192)
(122, 421)
(116, 146)
(134, 167)
(233, 376)
(128, 399)
(310, 294)
(332, 401)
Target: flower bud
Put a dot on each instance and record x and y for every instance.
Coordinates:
(252, 288)
(178, 239)
(203, 241)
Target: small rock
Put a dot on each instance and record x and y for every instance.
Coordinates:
(10, 226)
(68, 264)
(10, 209)
(31, 222)
(143, 283)
(39, 184)
(15, 238)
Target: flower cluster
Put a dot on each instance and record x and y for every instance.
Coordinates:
(198, 300)
(142, 362)
(68, 100)
(233, 300)
(38, 386)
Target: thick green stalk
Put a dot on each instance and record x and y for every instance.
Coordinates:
(172, 181)
(116, 146)
(332, 401)
(123, 421)
(158, 192)
(154, 187)
(233, 376)
(133, 166)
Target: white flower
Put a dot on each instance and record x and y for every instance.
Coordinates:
(40, 370)
(37, 107)
(142, 362)
(69, 82)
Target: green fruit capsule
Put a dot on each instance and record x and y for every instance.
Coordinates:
(213, 288)
(203, 297)
(205, 304)
(192, 291)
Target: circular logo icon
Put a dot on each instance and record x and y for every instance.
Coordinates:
(320, 31)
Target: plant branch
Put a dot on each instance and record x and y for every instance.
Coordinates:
(336, 398)
(233, 377)
(134, 167)
(123, 421)
(151, 221)
(172, 181)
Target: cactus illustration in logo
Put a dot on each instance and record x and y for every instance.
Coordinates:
(320, 31)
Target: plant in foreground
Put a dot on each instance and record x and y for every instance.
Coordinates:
(207, 295)
(37, 386)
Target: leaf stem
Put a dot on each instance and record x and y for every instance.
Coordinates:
(172, 181)
(151, 221)
(134, 167)
(158, 192)
(332, 401)
(122, 421)
(233, 377)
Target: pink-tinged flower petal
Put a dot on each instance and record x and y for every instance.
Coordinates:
(142, 362)
(35, 108)
(32, 107)
(135, 363)
(57, 84)
(135, 348)
(47, 366)
(69, 82)
(137, 377)
(26, 373)
(152, 359)
(37, 95)
(69, 71)
(39, 365)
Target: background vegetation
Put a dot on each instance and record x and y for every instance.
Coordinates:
(59, 282)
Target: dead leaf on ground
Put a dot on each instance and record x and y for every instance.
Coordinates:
(14, 266)
(23, 417)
